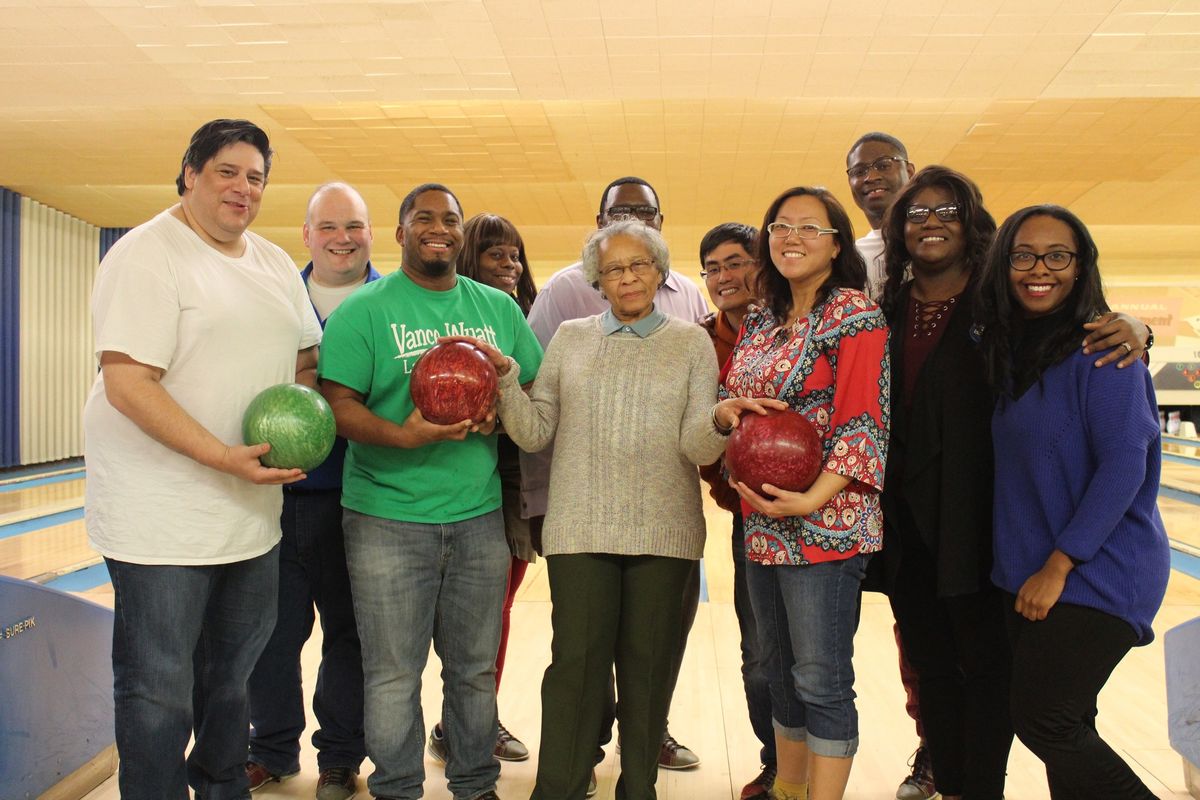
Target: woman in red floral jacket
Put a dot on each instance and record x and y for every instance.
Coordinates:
(820, 345)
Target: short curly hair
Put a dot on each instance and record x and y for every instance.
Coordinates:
(655, 244)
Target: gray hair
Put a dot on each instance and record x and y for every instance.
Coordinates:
(655, 244)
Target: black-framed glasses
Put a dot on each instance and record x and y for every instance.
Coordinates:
(733, 267)
(946, 212)
(885, 165)
(639, 266)
(644, 213)
(1055, 260)
(782, 230)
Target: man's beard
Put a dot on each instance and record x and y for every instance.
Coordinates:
(437, 268)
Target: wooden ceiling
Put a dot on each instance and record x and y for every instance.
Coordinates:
(528, 109)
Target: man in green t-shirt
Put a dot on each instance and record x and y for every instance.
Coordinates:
(424, 533)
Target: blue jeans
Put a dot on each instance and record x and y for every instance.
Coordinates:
(185, 639)
(312, 571)
(754, 679)
(806, 618)
(415, 582)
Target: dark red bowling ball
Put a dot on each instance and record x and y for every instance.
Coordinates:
(453, 381)
(781, 448)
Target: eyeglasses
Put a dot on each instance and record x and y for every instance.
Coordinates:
(781, 230)
(644, 213)
(946, 212)
(1055, 260)
(884, 166)
(639, 267)
(732, 267)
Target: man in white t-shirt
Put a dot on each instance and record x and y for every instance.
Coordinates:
(877, 167)
(193, 317)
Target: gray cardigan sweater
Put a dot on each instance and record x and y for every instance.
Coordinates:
(631, 418)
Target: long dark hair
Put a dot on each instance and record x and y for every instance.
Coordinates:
(849, 270)
(998, 313)
(978, 226)
(484, 231)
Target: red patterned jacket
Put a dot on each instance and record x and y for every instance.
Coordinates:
(832, 366)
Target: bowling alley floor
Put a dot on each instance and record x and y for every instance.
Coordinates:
(708, 714)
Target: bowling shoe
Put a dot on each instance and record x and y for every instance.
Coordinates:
(673, 755)
(259, 776)
(437, 746)
(337, 783)
(918, 785)
(509, 747)
(760, 787)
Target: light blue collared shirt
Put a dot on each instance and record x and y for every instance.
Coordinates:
(643, 327)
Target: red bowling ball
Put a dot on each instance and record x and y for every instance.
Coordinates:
(781, 448)
(453, 381)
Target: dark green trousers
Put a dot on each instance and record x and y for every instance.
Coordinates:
(609, 609)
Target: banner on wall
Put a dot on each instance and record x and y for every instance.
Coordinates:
(1174, 314)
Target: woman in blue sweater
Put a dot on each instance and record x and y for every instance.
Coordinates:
(1079, 544)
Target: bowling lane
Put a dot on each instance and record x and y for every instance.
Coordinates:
(1182, 521)
(1180, 445)
(44, 550)
(38, 499)
(1178, 475)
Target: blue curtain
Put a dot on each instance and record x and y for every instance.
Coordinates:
(108, 237)
(10, 328)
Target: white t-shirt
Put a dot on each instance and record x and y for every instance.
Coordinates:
(871, 249)
(326, 299)
(223, 329)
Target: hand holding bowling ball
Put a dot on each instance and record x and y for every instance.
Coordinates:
(454, 381)
(780, 448)
(296, 421)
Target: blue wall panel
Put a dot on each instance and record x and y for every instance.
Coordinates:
(10, 328)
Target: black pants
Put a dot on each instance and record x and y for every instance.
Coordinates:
(1060, 664)
(691, 602)
(609, 610)
(754, 678)
(959, 650)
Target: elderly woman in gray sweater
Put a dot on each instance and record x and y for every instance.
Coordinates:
(629, 398)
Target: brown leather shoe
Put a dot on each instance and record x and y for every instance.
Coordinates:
(337, 783)
(760, 787)
(259, 776)
(673, 755)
